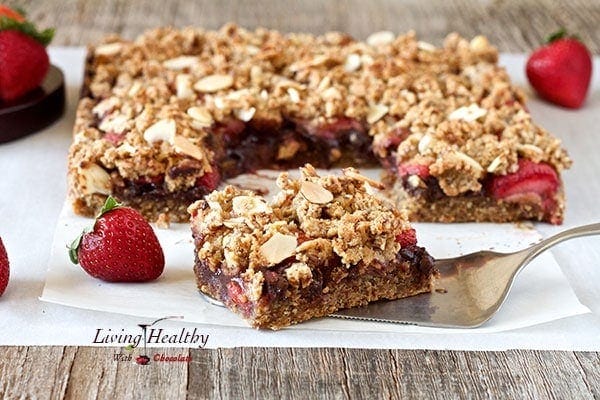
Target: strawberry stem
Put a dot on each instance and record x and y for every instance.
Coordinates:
(559, 34)
(74, 248)
(44, 37)
(109, 204)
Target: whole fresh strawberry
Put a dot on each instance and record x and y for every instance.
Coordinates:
(561, 71)
(121, 246)
(4, 268)
(23, 58)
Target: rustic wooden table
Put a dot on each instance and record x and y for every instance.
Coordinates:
(84, 372)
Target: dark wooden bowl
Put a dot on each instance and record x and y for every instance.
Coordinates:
(34, 111)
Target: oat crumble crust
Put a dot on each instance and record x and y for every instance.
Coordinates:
(357, 225)
(234, 230)
(454, 107)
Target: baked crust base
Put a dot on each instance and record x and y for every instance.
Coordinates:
(279, 307)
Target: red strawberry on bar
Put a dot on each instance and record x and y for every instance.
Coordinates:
(23, 58)
(4, 268)
(561, 71)
(537, 180)
(121, 247)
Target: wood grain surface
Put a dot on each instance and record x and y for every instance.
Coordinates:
(91, 373)
(86, 372)
(511, 25)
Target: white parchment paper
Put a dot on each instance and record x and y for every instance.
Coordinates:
(540, 294)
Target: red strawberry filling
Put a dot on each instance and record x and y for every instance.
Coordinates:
(148, 183)
(536, 182)
(421, 170)
(407, 238)
(114, 138)
(396, 137)
(210, 180)
(236, 293)
(230, 130)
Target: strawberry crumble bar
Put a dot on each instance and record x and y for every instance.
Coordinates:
(165, 118)
(322, 244)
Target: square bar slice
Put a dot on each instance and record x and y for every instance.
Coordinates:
(322, 244)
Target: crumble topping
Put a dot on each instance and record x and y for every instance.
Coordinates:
(242, 233)
(152, 102)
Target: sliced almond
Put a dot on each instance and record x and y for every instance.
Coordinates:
(469, 160)
(324, 84)
(106, 106)
(234, 222)
(214, 205)
(249, 205)
(162, 130)
(424, 143)
(239, 94)
(314, 62)
(366, 59)
(180, 63)
(294, 95)
(353, 62)
(126, 148)
(415, 181)
(109, 49)
(214, 83)
(95, 179)
(252, 50)
(183, 86)
(134, 89)
(219, 103)
(245, 115)
(278, 248)
(469, 114)
(352, 173)
(115, 123)
(479, 43)
(256, 74)
(529, 149)
(331, 93)
(201, 115)
(421, 45)
(380, 38)
(376, 112)
(185, 146)
(494, 165)
(315, 193)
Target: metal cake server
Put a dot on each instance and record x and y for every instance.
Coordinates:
(468, 292)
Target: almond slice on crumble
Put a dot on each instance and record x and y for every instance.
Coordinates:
(278, 248)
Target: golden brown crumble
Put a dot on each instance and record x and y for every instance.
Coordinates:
(241, 232)
(164, 91)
